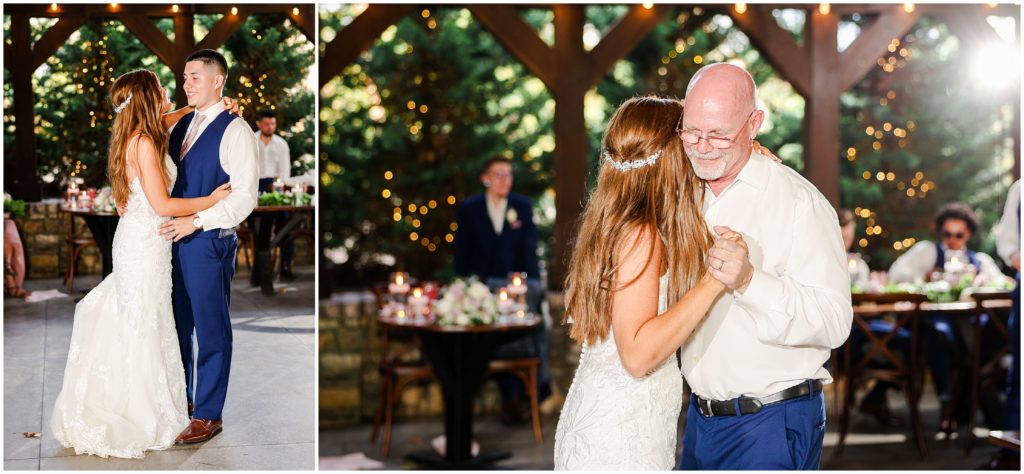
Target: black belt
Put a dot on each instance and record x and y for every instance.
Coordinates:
(751, 405)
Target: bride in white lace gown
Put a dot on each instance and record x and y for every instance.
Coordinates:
(641, 244)
(124, 386)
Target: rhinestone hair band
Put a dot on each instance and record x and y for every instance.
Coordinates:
(124, 104)
(630, 165)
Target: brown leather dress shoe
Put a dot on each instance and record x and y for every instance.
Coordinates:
(199, 430)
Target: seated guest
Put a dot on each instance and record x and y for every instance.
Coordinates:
(496, 236)
(874, 403)
(14, 261)
(955, 223)
(946, 336)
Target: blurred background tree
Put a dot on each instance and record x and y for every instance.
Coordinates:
(918, 133)
(406, 129)
(73, 110)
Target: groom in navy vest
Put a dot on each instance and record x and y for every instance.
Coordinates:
(209, 147)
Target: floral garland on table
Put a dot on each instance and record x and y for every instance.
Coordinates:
(466, 303)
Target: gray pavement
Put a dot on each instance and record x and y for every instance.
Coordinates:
(269, 417)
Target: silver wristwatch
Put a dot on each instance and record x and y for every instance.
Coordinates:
(197, 223)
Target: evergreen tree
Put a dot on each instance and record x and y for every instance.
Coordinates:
(917, 134)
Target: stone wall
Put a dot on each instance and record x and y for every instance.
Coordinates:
(44, 230)
(349, 380)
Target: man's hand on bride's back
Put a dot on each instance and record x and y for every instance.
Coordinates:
(221, 192)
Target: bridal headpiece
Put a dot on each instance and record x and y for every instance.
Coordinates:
(124, 104)
(630, 165)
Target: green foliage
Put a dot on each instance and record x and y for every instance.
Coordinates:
(73, 110)
(14, 207)
(280, 199)
(931, 135)
(481, 102)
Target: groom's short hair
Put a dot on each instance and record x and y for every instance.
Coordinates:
(209, 56)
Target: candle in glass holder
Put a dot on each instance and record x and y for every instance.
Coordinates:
(399, 284)
(517, 283)
(504, 303)
(278, 185)
(954, 265)
(418, 302)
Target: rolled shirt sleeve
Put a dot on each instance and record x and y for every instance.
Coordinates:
(239, 156)
(809, 303)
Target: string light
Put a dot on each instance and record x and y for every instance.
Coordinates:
(295, 11)
(234, 10)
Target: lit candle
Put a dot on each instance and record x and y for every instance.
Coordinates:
(399, 284)
(278, 185)
(418, 302)
(504, 304)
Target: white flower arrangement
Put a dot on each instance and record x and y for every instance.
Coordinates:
(466, 303)
(104, 201)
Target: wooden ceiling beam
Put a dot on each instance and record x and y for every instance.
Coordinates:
(357, 37)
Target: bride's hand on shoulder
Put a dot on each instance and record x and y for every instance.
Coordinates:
(231, 105)
(221, 192)
(766, 152)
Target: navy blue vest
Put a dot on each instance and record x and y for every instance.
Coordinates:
(200, 172)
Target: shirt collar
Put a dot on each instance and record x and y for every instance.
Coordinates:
(755, 172)
(212, 111)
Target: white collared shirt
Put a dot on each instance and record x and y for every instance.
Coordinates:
(780, 332)
(1008, 229)
(496, 211)
(275, 158)
(240, 159)
(915, 264)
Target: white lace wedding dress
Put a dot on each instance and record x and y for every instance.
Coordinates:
(612, 420)
(124, 386)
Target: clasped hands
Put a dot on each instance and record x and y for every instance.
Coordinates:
(729, 260)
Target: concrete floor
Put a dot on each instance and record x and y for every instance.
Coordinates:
(868, 446)
(269, 417)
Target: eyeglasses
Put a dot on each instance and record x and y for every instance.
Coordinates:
(692, 137)
(950, 235)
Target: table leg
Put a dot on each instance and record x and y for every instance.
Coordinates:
(459, 361)
(262, 273)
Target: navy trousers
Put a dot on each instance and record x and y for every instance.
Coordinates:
(787, 435)
(202, 272)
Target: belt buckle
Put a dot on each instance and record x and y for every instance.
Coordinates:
(707, 403)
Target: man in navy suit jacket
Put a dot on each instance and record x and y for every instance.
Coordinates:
(496, 236)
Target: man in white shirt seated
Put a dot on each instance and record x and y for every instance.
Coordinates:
(947, 336)
(275, 163)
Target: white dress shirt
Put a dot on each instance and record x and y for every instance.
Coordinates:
(780, 332)
(496, 211)
(240, 159)
(1008, 229)
(275, 159)
(914, 265)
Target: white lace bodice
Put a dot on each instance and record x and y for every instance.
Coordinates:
(612, 420)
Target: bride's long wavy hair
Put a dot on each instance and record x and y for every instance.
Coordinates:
(665, 198)
(142, 115)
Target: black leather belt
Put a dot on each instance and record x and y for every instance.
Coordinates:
(751, 405)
